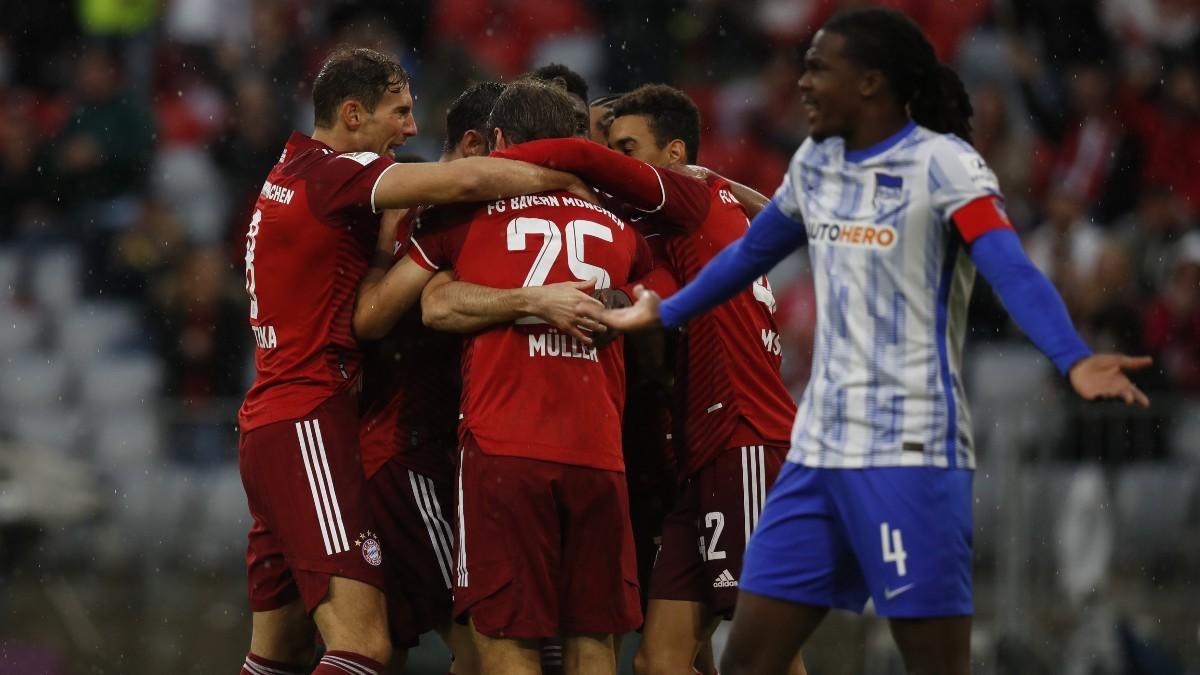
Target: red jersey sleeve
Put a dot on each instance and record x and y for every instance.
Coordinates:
(437, 238)
(980, 216)
(660, 277)
(345, 184)
(677, 199)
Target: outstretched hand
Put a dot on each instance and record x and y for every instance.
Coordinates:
(1102, 376)
(568, 306)
(642, 315)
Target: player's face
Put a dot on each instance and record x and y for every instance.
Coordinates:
(631, 135)
(596, 117)
(829, 87)
(392, 122)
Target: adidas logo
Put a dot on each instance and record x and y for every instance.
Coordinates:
(725, 580)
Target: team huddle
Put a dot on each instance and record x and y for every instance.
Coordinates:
(471, 414)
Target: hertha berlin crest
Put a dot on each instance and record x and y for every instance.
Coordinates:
(369, 543)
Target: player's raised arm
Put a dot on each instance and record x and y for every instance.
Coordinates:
(461, 307)
(677, 198)
(472, 179)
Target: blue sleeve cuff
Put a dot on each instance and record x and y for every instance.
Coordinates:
(772, 237)
(1031, 300)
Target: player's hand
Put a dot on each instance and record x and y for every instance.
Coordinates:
(642, 315)
(560, 305)
(581, 190)
(1102, 376)
(612, 298)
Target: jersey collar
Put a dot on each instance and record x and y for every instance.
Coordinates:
(299, 142)
(882, 146)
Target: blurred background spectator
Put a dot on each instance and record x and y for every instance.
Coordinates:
(134, 137)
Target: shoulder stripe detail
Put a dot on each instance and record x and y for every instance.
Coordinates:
(418, 249)
(376, 186)
(363, 158)
(662, 190)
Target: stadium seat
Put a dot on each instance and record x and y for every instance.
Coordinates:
(19, 328)
(55, 280)
(1158, 509)
(31, 381)
(10, 272)
(96, 329)
(126, 382)
(219, 527)
(58, 427)
(1184, 442)
(126, 440)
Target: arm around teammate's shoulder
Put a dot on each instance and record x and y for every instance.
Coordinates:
(473, 179)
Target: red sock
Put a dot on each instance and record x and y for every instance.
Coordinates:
(343, 663)
(257, 665)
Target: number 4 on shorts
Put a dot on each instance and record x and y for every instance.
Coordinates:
(893, 548)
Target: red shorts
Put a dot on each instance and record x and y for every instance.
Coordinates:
(704, 538)
(543, 548)
(307, 495)
(415, 515)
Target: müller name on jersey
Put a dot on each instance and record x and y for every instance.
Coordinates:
(560, 345)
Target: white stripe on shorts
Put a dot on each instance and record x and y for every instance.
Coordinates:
(312, 484)
(442, 525)
(421, 496)
(462, 530)
(337, 512)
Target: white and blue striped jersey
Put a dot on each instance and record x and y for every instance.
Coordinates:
(892, 280)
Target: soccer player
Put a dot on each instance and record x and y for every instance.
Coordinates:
(736, 410)
(575, 86)
(544, 544)
(600, 117)
(408, 431)
(898, 212)
(313, 555)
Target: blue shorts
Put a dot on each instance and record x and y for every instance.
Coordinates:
(834, 537)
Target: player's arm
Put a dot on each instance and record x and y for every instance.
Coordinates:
(751, 200)
(772, 236)
(388, 289)
(1038, 309)
(677, 199)
(462, 307)
(473, 179)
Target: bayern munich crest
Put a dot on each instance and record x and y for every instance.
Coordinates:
(369, 543)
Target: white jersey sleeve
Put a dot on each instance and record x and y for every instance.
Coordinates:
(957, 176)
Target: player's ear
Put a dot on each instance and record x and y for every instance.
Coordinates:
(871, 83)
(677, 151)
(498, 140)
(474, 144)
(352, 113)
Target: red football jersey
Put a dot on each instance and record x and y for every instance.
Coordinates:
(310, 239)
(529, 390)
(727, 380)
(411, 387)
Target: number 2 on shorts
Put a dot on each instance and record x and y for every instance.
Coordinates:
(893, 548)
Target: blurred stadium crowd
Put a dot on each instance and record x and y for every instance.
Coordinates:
(135, 135)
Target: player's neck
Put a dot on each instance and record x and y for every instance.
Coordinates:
(338, 140)
(875, 129)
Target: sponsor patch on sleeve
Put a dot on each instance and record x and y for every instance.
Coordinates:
(979, 172)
